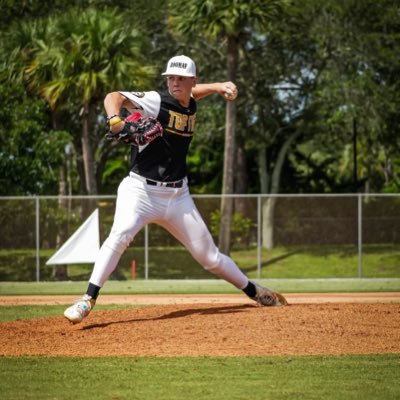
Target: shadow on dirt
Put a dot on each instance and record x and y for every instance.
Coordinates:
(177, 314)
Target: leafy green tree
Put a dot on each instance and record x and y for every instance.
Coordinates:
(317, 70)
(356, 93)
(31, 152)
(72, 61)
(85, 55)
(228, 21)
(319, 83)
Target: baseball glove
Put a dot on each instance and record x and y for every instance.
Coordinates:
(137, 131)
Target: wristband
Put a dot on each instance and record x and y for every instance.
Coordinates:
(115, 121)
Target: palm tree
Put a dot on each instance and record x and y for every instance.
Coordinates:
(72, 61)
(229, 21)
(85, 54)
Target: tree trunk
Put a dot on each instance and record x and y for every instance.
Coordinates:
(241, 179)
(229, 153)
(268, 208)
(80, 168)
(60, 271)
(269, 205)
(88, 154)
(263, 170)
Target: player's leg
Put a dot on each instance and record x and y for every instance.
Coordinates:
(186, 224)
(131, 214)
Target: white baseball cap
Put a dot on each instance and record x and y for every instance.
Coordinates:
(180, 65)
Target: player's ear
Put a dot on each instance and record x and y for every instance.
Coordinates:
(194, 82)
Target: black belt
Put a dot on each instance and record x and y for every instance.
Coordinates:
(177, 184)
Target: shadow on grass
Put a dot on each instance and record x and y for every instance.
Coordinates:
(176, 314)
(274, 260)
(269, 262)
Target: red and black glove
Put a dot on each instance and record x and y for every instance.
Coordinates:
(137, 131)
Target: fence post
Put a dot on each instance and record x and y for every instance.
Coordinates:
(37, 240)
(359, 219)
(259, 237)
(146, 252)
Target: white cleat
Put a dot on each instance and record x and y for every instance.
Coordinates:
(269, 298)
(80, 310)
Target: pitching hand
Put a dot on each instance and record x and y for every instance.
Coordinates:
(228, 90)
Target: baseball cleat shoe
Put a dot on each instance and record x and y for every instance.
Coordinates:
(269, 298)
(80, 310)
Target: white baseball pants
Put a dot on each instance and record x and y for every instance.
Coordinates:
(139, 204)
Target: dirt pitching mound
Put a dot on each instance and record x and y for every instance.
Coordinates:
(223, 329)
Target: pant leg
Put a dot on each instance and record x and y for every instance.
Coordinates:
(133, 211)
(184, 221)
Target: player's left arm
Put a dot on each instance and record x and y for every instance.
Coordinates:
(227, 90)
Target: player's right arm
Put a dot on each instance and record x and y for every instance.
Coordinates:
(113, 103)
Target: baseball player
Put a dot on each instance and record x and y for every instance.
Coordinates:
(156, 189)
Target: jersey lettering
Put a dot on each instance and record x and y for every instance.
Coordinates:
(181, 122)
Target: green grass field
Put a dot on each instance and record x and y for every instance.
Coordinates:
(311, 262)
(201, 286)
(339, 377)
(345, 377)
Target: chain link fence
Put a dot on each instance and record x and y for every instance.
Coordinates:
(281, 236)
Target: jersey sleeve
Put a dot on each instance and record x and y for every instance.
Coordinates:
(147, 103)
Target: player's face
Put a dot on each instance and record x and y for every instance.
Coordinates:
(180, 87)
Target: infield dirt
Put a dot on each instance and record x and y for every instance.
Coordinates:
(214, 326)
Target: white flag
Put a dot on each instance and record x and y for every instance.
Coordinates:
(82, 247)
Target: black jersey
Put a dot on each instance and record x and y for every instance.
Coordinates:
(164, 159)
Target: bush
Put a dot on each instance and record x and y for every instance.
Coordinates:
(240, 229)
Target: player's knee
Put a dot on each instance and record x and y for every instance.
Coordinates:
(118, 241)
(206, 253)
(211, 259)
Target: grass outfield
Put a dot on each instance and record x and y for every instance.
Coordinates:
(344, 377)
(202, 286)
(175, 262)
